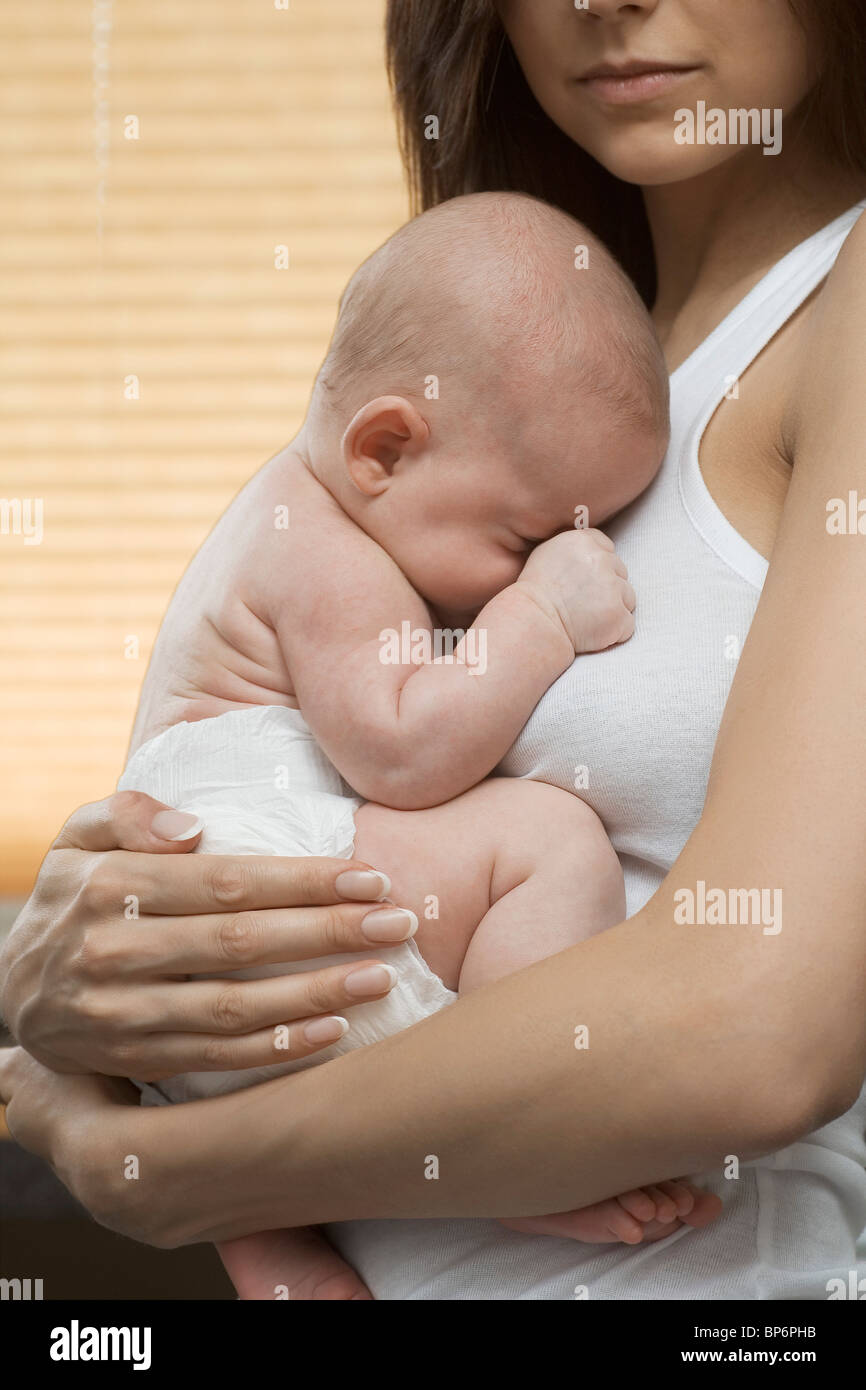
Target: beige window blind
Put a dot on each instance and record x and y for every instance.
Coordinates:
(154, 350)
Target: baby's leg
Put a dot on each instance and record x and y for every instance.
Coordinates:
(508, 873)
(556, 881)
(505, 875)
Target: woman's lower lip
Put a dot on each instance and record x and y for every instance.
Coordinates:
(619, 91)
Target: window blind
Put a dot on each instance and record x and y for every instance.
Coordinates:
(187, 185)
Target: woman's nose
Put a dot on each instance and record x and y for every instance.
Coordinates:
(613, 9)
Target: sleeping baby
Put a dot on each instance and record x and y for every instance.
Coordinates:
(395, 591)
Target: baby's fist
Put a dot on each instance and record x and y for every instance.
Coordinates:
(579, 578)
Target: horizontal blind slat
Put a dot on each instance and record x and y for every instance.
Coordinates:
(257, 128)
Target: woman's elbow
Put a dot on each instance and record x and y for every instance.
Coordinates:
(779, 1096)
(824, 1057)
(837, 1085)
(802, 1111)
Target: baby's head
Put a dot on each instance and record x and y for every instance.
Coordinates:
(492, 372)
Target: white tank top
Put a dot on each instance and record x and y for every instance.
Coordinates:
(633, 731)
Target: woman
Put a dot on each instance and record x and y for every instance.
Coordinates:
(719, 1045)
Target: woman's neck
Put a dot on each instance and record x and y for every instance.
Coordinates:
(715, 236)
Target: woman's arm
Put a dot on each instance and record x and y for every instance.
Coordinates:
(704, 1040)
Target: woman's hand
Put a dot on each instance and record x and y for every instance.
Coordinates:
(94, 974)
(67, 1120)
(88, 1129)
(44, 1110)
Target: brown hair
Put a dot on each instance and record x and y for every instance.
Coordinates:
(452, 57)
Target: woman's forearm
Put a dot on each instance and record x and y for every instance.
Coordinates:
(686, 1058)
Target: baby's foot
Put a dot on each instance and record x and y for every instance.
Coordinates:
(298, 1265)
(646, 1214)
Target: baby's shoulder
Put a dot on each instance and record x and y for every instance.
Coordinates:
(293, 544)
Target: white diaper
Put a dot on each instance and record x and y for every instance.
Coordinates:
(262, 785)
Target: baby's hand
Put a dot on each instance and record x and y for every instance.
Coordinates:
(580, 581)
(647, 1214)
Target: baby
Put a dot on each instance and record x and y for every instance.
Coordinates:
(368, 627)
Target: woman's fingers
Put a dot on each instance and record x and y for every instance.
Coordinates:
(234, 1007)
(175, 1053)
(86, 962)
(133, 821)
(209, 944)
(216, 883)
(228, 1025)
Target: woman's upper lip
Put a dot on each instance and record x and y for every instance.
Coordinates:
(636, 68)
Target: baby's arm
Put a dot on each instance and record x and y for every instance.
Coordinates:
(413, 735)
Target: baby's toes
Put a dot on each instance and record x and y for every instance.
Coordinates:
(658, 1230)
(621, 1223)
(682, 1194)
(665, 1206)
(707, 1207)
(638, 1204)
(599, 1224)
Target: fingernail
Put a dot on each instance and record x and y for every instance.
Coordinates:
(366, 884)
(175, 825)
(370, 979)
(389, 924)
(325, 1030)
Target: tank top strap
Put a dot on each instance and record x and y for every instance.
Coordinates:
(712, 372)
(705, 377)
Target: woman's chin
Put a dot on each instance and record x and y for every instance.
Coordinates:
(648, 157)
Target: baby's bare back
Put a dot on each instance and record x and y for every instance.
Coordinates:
(217, 649)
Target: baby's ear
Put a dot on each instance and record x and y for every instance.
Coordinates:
(383, 435)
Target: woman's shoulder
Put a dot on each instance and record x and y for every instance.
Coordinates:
(827, 387)
(843, 295)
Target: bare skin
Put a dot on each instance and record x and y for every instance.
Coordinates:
(269, 617)
(743, 1072)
